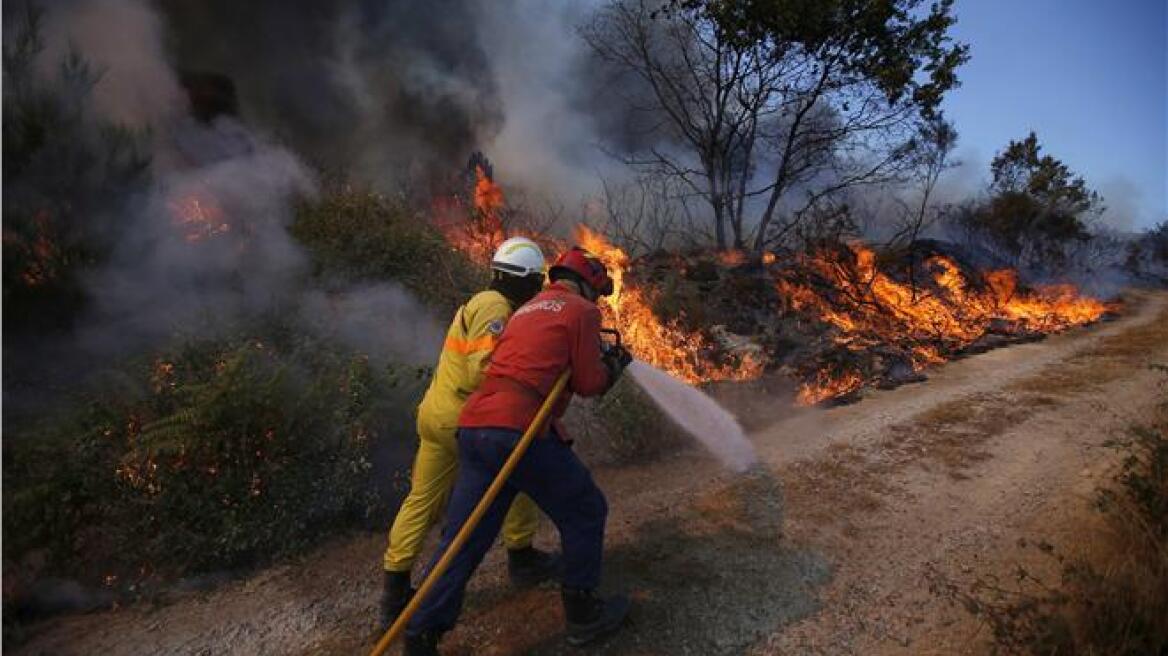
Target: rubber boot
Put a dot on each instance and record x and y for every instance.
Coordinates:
(530, 566)
(422, 644)
(590, 617)
(395, 594)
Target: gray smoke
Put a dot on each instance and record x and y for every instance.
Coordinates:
(399, 94)
(123, 39)
(359, 317)
(206, 242)
(209, 239)
(378, 89)
(1122, 200)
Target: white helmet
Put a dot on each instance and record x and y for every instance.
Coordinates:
(518, 256)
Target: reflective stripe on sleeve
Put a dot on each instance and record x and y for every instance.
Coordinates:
(468, 346)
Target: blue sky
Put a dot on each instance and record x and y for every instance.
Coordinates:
(1090, 77)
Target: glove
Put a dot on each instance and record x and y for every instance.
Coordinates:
(615, 359)
(624, 356)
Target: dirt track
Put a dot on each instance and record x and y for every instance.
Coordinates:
(941, 478)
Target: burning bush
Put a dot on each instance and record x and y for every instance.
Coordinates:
(836, 318)
(689, 354)
(214, 455)
(887, 321)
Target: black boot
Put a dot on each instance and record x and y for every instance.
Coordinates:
(422, 644)
(530, 566)
(590, 617)
(394, 596)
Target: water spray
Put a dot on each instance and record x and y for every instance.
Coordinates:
(692, 410)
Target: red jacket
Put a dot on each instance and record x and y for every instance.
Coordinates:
(556, 330)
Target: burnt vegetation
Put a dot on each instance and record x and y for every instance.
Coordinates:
(754, 132)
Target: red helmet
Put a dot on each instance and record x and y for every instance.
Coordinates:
(587, 266)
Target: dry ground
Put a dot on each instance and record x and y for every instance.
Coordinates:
(828, 547)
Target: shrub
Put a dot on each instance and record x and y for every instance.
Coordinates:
(218, 454)
(1147, 255)
(1038, 211)
(65, 169)
(355, 234)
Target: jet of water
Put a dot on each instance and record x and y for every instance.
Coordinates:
(697, 414)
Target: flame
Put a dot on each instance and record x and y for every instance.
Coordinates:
(480, 234)
(829, 385)
(735, 257)
(868, 308)
(488, 196)
(199, 217)
(922, 324)
(664, 344)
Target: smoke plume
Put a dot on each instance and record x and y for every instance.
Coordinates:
(205, 240)
(399, 94)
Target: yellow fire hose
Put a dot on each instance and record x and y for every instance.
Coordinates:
(476, 515)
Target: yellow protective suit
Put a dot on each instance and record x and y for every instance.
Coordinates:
(469, 342)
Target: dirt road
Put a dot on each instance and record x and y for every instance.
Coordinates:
(827, 548)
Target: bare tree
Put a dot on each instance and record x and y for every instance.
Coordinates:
(651, 213)
(750, 115)
(708, 95)
(930, 155)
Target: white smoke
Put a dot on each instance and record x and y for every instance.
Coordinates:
(548, 141)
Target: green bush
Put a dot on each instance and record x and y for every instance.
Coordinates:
(218, 454)
(355, 234)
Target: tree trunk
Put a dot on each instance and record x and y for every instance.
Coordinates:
(765, 221)
(717, 203)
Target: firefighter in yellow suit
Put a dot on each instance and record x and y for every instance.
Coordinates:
(517, 275)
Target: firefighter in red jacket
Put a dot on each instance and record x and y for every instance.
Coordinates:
(559, 329)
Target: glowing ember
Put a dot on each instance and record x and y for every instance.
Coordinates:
(868, 308)
(732, 258)
(163, 376)
(663, 344)
(828, 385)
(40, 254)
(198, 217)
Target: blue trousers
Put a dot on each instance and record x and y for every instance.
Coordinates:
(553, 477)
